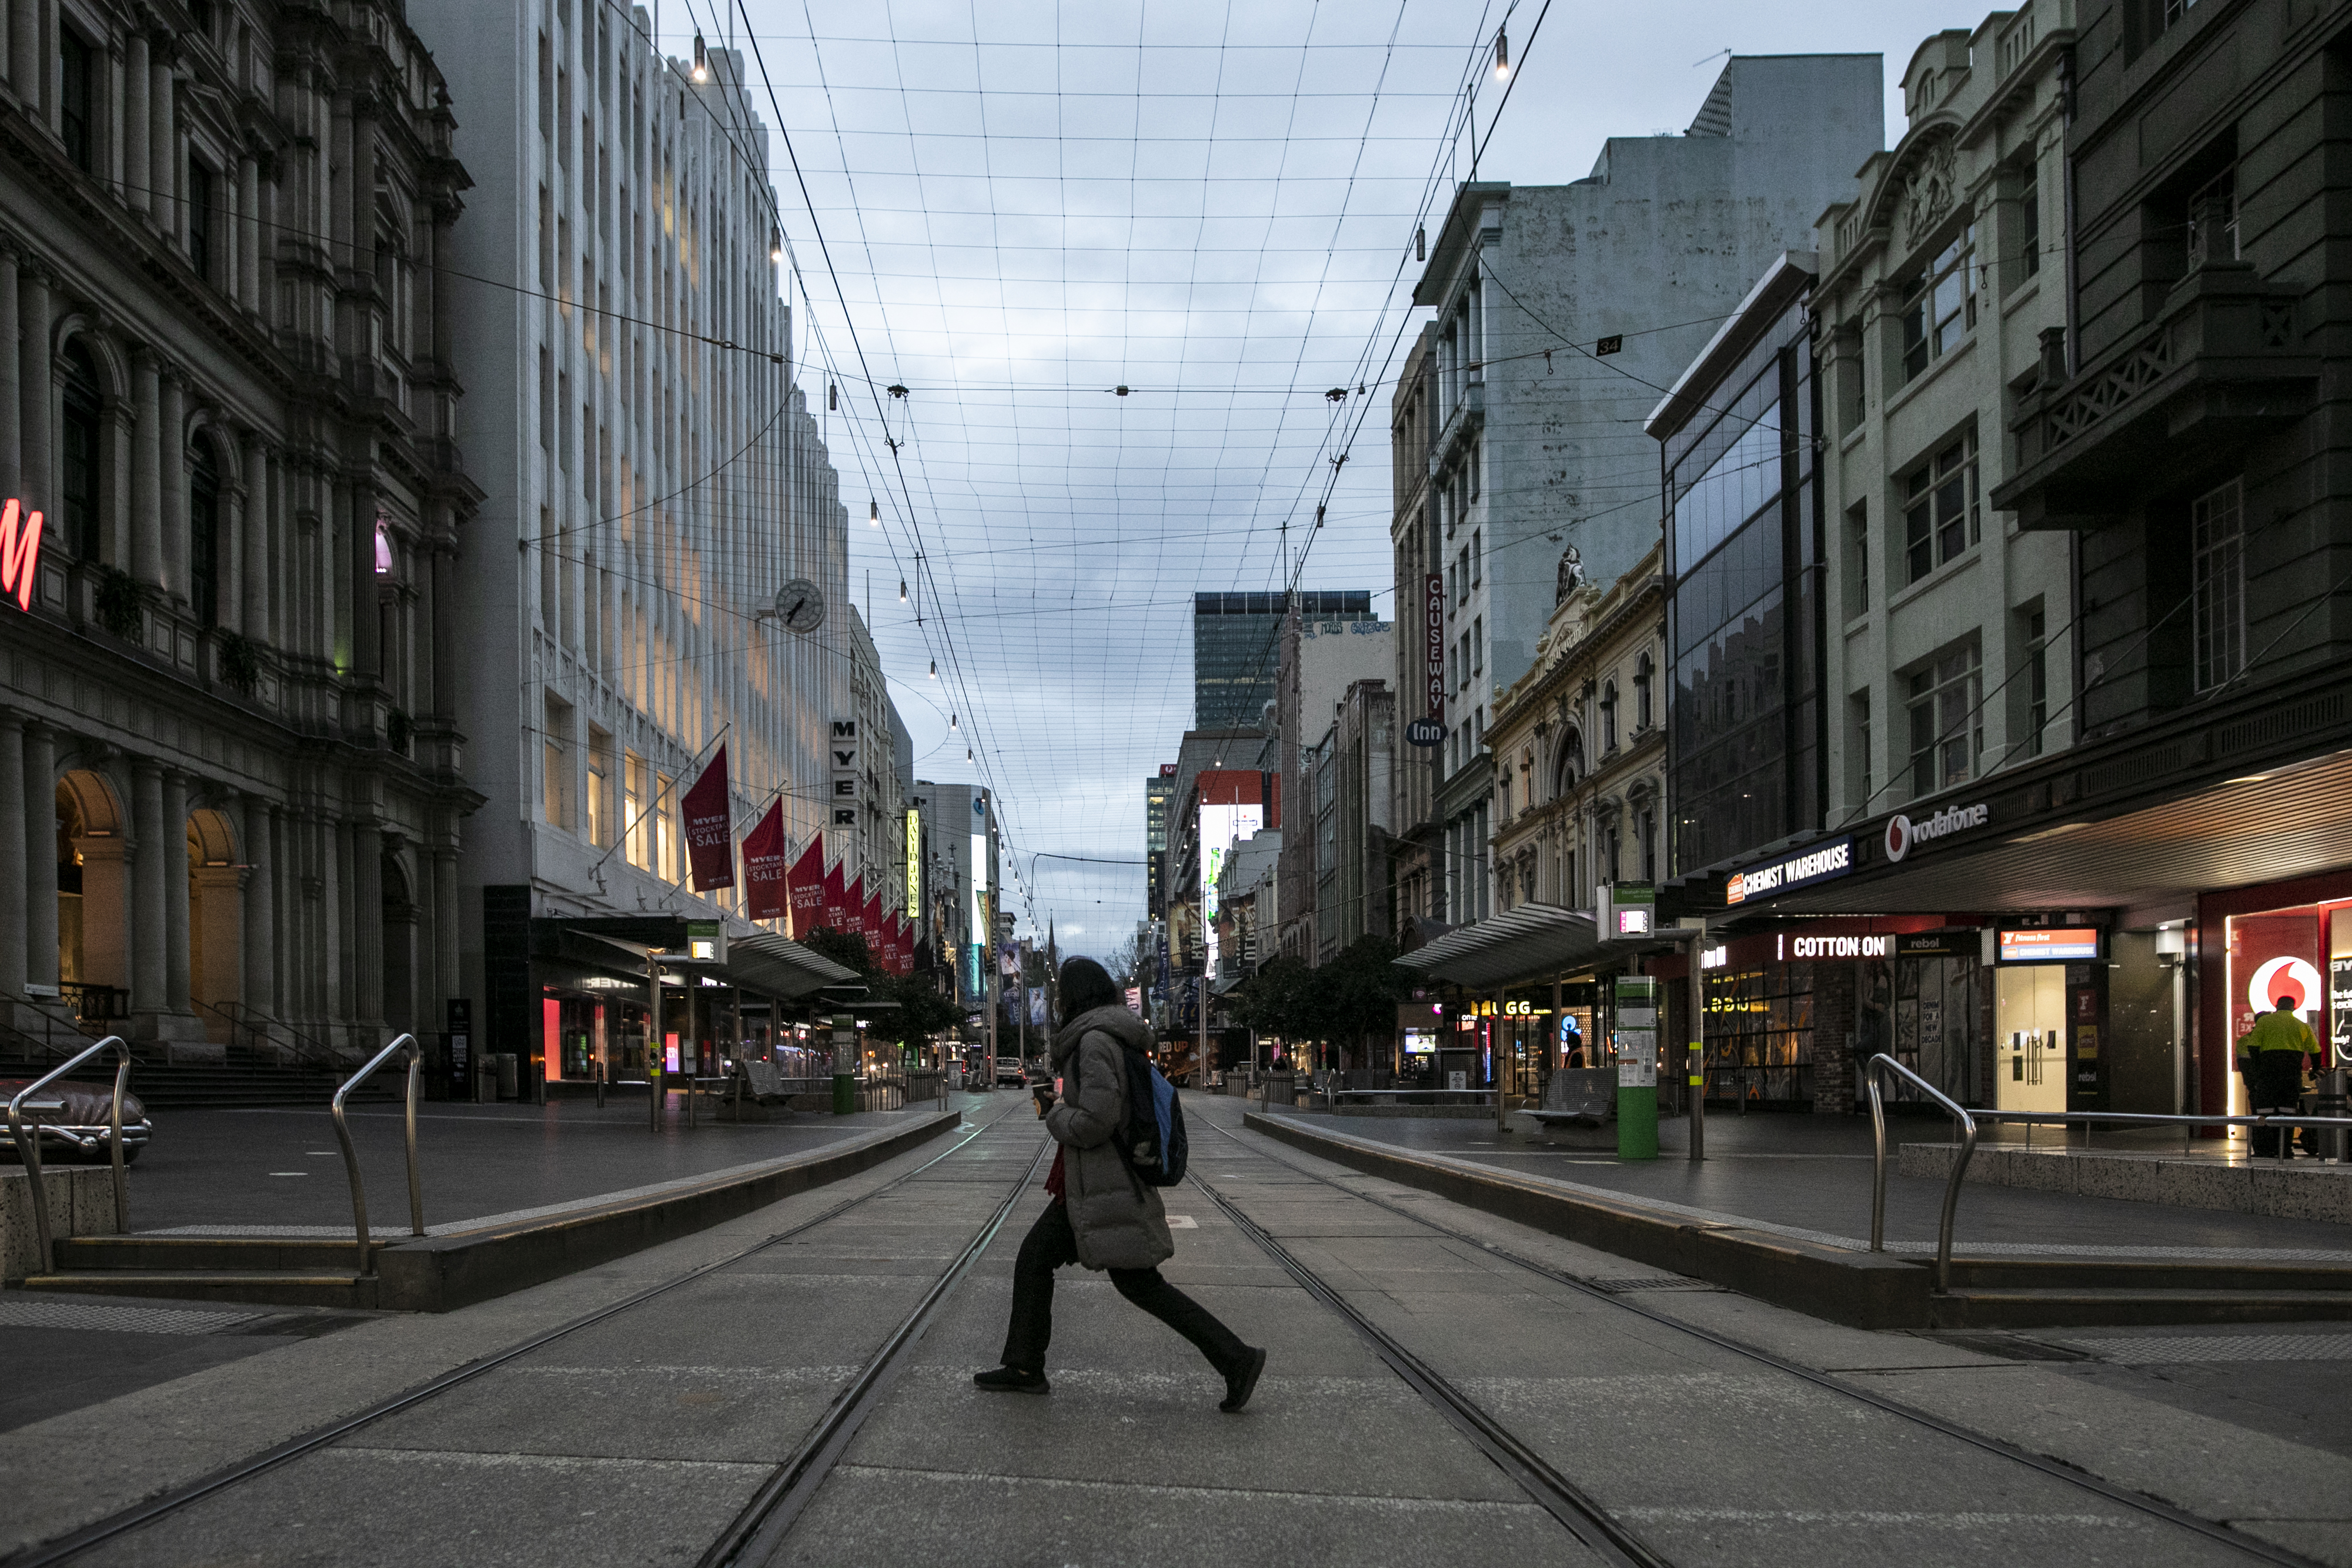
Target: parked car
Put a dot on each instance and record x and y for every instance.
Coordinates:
(75, 1132)
(1009, 1074)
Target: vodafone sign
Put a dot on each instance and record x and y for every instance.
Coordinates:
(2295, 978)
(1901, 833)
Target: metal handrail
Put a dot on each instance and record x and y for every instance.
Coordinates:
(28, 1150)
(351, 1156)
(2184, 1120)
(1878, 1162)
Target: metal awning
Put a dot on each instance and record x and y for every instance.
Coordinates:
(2284, 823)
(1522, 947)
(762, 962)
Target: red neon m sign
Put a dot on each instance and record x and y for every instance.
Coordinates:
(20, 552)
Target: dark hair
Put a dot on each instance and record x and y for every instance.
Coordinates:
(2285, 1002)
(1086, 986)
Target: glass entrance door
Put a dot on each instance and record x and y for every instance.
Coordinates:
(2030, 1037)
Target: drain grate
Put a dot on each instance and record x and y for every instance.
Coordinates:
(1651, 1283)
(119, 1320)
(2173, 1350)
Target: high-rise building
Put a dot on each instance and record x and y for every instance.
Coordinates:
(654, 481)
(1236, 640)
(1157, 791)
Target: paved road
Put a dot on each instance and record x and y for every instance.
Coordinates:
(639, 1437)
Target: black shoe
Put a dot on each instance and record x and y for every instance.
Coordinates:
(1242, 1381)
(1013, 1380)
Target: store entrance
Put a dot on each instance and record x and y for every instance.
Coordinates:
(2029, 1010)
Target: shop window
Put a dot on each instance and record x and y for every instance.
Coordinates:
(1940, 303)
(2217, 584)
(1760, 1036)
(1943, 514)
(1936, 1003)
(633, 809)
(78, 441)
(2029, 225)
(77, 90)
(203, 217)
(1946, 716)
(1857, 559)
(204, 534)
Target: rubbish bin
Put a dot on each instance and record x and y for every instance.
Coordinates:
(510, 1076)
(2330, 1101)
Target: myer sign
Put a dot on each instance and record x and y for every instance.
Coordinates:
(1901, 833)
(1791, 871)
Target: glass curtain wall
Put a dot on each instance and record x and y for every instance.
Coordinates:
(1743, 620)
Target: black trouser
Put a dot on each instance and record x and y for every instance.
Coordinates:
(1051, 1244)
(2273, 1083)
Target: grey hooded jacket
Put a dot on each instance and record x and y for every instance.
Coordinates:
(1118, 1220)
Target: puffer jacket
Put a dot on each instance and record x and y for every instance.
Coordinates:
(1118, 1220)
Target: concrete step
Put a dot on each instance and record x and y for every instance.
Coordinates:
(1997, 1274)
(264, 1287)
(2123, 1308)
(213, 1254)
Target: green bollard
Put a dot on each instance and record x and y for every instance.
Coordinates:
(1637, 1067)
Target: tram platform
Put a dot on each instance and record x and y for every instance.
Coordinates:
(1782, 1207)
(800, 1379)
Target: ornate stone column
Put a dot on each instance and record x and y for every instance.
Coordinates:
(15, 851)
(260, 981)
(162, 165)
(148, 917)
(12, 407)
(172, 466)
(248, 232)
(367, 922)
(172, 851)
(25, 56)
(146, 470)
(137, 143)
(33, 384)
(367, 620)
(250, 557)
(40, 838)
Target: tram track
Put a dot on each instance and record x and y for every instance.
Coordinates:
(774, 1504)
(1584, 1516)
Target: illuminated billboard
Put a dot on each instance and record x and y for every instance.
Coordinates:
(1221, 826)
(915, 866)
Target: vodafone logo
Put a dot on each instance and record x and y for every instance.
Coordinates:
(2284, 977)
(1901, 833)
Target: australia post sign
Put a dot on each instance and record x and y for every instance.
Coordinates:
(1432, 641)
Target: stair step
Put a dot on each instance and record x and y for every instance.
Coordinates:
(2007, 1274)
(2125, 1306)
(265, 1287)
(211, 1254)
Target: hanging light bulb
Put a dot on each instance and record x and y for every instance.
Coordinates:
(935, 669)
(967, 753)
(1420, 242)
(902, 590)
(701, 61)
(951, 722)
(873, 513)
(1502, 54)
(775, 244)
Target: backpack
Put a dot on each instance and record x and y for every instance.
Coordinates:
(1152, 1136)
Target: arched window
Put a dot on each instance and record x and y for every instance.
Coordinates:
(1609, 718)
(204, 533)
(1567, 763)
(1642, 668)
(78, 454)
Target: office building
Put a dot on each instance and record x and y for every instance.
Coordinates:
(1235, 645)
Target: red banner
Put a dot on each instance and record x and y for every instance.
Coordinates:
(831, 915)
(709, 827)
(805, 883)
(764, 870)
(853, 909)
(878, 931)
(886, 948)
(905, 942)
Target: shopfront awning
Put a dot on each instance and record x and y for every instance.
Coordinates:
(764, 963)
(1525, 945)
(2263, 826)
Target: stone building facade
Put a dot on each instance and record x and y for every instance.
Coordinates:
(230, 763)
(1580, 747)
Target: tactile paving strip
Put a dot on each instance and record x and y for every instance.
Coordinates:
(1652, 1282)
(2177, 1349)
(20, 1314)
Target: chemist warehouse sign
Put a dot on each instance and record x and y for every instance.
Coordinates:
(1802, 869)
